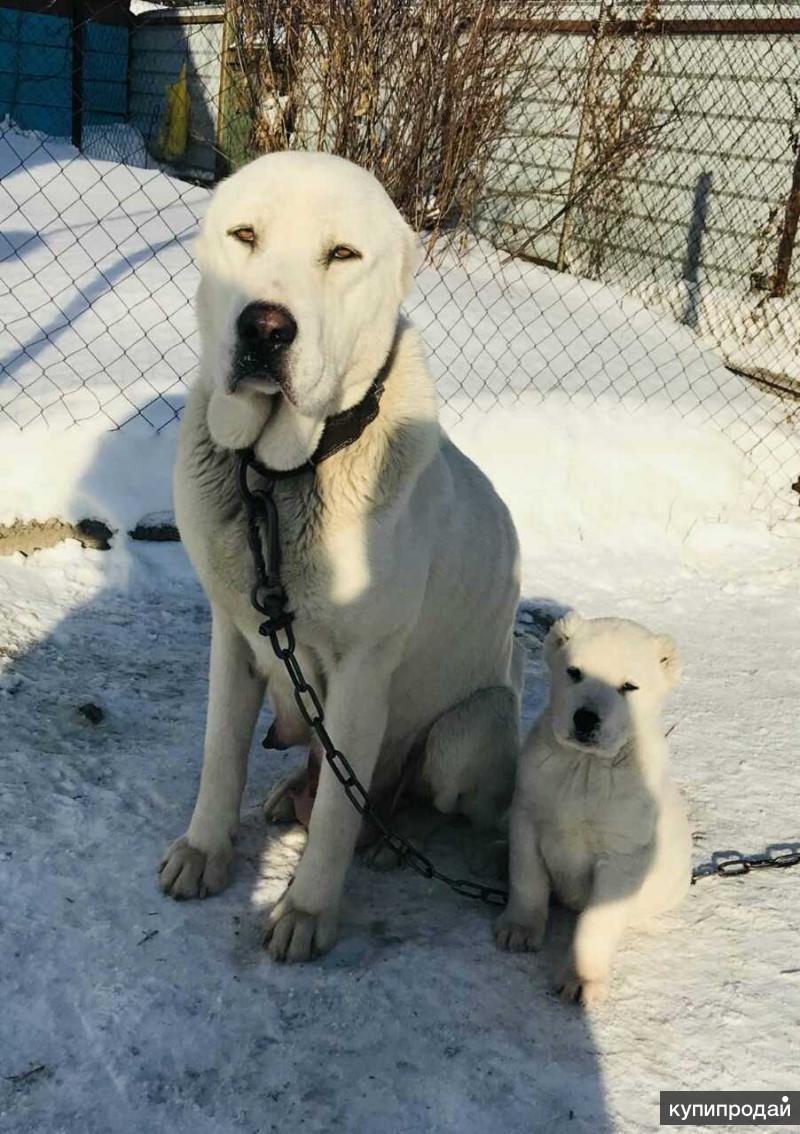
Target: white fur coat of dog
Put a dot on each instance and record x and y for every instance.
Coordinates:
(596, 816)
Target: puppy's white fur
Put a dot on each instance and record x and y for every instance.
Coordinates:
(400, 561)
(598, 820)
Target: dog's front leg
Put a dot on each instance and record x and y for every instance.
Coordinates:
(521, 925)
(197, 864)
(303, 924)
(601, 925)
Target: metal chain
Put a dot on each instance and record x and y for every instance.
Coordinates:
(268, 596)
(729, 864)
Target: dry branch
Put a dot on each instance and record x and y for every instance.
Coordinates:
(418, 93)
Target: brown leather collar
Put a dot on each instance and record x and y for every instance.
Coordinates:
(340, 430)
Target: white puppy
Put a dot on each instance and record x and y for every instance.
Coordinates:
(595, 814)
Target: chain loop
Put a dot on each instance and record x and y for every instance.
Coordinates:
(731, 864)
(783, 854)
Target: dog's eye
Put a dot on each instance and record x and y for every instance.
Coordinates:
(243, 233)
(628, 687)
(343, 252)
(574, 673)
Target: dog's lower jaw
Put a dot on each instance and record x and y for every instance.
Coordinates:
(288, 438)
(236, 421)
(603, 756)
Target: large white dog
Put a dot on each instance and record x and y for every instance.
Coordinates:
(400, 561)
(596, 815)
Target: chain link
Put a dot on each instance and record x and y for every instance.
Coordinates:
(269, 598)
(729, 864)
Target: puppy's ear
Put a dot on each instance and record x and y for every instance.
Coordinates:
(560, 633)
(669, 658)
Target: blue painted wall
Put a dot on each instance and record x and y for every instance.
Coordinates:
(36, 72)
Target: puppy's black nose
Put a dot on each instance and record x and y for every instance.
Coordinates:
(266, 325)
(585, 722)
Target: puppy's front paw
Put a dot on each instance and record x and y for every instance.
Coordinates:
(589, 993)
(519, 933)
(188, 872)
(291, 934)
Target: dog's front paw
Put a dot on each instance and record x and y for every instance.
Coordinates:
(520, 934)
(589, 993)
(292, 934)
(188, 872)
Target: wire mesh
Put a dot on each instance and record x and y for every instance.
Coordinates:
(620, 232)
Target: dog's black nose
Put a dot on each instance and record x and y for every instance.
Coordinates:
(267, 325)
(585, 722)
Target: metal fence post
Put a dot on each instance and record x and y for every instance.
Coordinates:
(791, 217)
(78, 41)
(222, 138)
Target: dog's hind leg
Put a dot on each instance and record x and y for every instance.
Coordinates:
(417, 823)
(471, 755)
(617, 879)
(279, 805)
(288, 728)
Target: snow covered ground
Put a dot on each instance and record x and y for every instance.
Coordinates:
(752, 331)
(121, 1011)
(144, 1014)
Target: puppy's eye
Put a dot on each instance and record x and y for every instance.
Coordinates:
(628, 687)
(243, 233)
(574, 673)
(343, 252)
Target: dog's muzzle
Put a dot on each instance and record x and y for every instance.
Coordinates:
(585, 725)
(264, 334)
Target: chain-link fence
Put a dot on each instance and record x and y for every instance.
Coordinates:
(609, 194)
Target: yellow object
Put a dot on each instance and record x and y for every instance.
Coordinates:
(174, 134)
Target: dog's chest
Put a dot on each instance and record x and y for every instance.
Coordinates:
(587, 812)
(324, 567)
(305, 565)
(602, 825)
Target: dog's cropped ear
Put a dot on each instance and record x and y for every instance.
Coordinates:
(411, 259)
(560, 633)
(669, 658)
